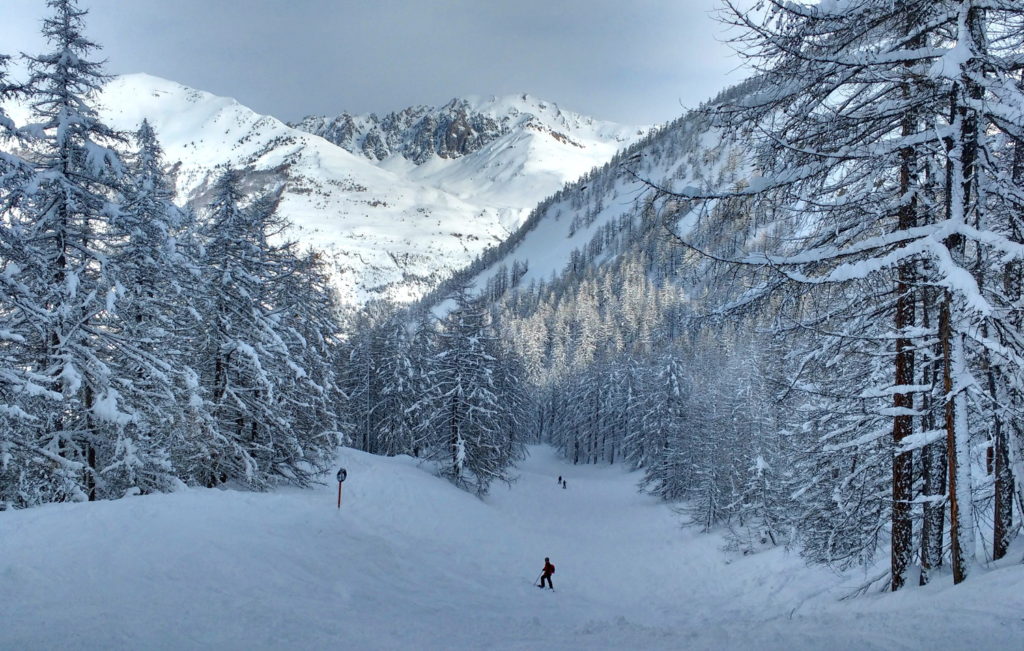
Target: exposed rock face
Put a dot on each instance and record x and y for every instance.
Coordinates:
(417, 133)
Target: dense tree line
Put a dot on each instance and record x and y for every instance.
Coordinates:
(441, 388)
(144, 346)
(624, 371)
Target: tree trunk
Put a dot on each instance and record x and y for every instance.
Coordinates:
(960, 202)
(88, 400)
(903, 425)
(933, 470)
(1005, 481)
(453, 437)
(933, 465)
(1003, 488)
(957, 448)
(902, 463)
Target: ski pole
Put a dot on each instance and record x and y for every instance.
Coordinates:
(538, 578)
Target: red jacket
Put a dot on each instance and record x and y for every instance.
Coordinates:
(549, 568)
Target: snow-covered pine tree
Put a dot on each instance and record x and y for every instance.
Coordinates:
(464, 421)
(979, 333)
(255, 386)
(307, 314)
(362, 377)
(1003, 385)
(631, 389)
(518, 414)
(623, 424)
(422, 349)
(13, 168)
(670, 447)
(68, 282)
(154, 290)
(19, 388)
(756, 452)
(396, 381)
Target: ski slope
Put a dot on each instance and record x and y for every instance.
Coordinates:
(410, 562)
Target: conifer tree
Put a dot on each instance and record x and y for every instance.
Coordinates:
(464, 424)
(154, 293)
(255, 385)
(393, 425)
(20, 389)
(69, 283)
(308, 313)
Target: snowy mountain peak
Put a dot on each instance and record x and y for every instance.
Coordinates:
(397, 201)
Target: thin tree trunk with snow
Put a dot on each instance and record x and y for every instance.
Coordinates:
(903, 400)
(957, 446)
(933, 464)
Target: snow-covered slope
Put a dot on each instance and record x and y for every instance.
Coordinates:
(605, 205)
(410, 562)
(498, 150)
(392, 223)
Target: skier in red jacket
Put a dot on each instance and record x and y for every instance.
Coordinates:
(549, 569)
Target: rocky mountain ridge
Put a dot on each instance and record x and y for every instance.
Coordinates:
(461, 127)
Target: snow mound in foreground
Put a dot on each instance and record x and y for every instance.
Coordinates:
(410, 562)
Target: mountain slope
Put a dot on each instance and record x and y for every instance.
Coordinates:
(391, 224)
(412, 562)
(607, 212)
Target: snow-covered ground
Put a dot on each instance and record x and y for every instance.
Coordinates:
(410, 562)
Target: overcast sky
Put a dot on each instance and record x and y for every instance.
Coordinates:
(636, 62)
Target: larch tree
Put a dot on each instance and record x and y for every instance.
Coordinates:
(66, 271)
(22, 463)
(153, 292)
(256, 384)
(464, 424)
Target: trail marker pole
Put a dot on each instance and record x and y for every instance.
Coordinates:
(342, 474)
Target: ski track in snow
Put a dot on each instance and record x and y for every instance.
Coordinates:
(410, 562)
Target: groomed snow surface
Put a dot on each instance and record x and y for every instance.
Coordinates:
(410, 562)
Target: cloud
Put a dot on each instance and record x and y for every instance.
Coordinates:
(633, 62)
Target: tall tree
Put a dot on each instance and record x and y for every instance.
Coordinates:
(20, 388)
(154, 291)
(256, 386)
(66, 270)
(465, 424)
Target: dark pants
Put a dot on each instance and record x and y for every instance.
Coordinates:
(546, 577)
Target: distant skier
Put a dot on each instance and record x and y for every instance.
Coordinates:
(565, 484)
(559, 480)
(549, 569)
